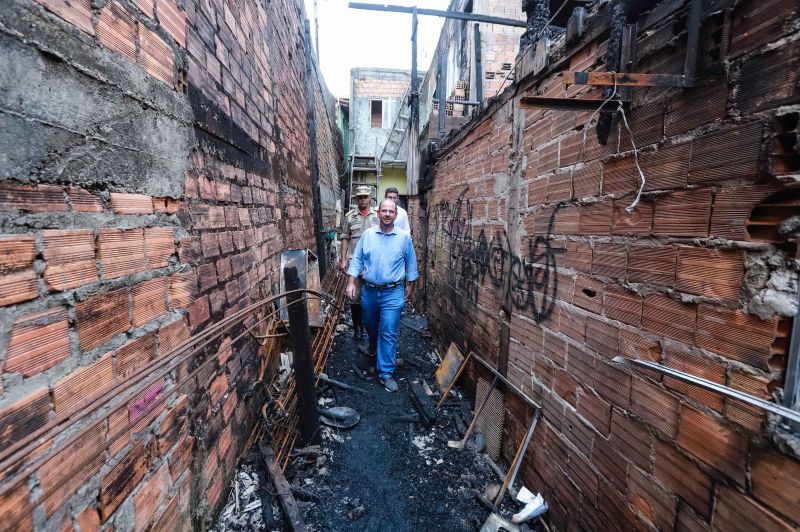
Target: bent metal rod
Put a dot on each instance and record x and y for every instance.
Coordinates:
(688, 378)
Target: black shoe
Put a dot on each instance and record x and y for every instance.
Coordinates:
(390, 384)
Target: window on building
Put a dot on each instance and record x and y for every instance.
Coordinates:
(376, 113)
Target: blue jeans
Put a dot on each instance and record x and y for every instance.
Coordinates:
(382, 319)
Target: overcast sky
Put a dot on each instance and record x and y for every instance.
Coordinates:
(350, 38)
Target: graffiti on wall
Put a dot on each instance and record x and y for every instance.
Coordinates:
(529, 277)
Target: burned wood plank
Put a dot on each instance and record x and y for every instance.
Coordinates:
(282, 488)
(424, 405)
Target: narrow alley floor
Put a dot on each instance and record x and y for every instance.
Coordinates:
(388, 472)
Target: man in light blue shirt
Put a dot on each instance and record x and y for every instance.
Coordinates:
(385, 258)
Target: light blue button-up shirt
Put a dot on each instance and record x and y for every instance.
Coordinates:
(384, 257)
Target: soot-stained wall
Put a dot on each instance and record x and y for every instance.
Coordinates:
(155, 160)
(534, 263)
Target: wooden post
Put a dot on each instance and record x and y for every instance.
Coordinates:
(302, 358)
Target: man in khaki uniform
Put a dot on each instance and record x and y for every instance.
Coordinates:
(354, 223)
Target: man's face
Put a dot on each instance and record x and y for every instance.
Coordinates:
(387, 213)
(393, 196)
(363, 202)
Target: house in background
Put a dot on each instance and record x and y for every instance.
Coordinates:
(378, 120)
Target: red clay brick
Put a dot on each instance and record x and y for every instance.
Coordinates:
(578, 255)
(18, 286)
(638, 222)
(118, 433)
(149, 300)
(589, 294)
(83, 384)
(712, 273)
(88, 520)
(173, 19)
(609, 260)
(693, 364)
(737, 335)
(622, 305)
(181, 457)
(666, 168)
(612, 383)
(655, 406)
(116, 29)
(135, 354)
(744, 414)
(182, 288)
(121, 252)
(160, 244)
(582, 474)
(71, 468)
(565, 386)
(555, 348)
(171, 518)
(596, 410)
(218, 388)
(652, 265)
(174, 426)
(199, 312)
(732, 208)
(172, 335)
(710, 441)
(155, 55)
(684, 478)
(586, 180)
(656, 505)
(620, 175)
(69, 258)
(146, 406)
(150, 496)
(663, 315)
(101, 317)
(610, 463)
(683, 214)
(738, 513)
(31, 198)
(596, 218)
(602, 337)
(38, 342)
(78, 13)
(23, 417)
(776, 483)
(731, 153)
(120, 481)
(15, 508)
(632, 439)
(81, 200)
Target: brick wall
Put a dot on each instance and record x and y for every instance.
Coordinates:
(164, 166)
(690, 279)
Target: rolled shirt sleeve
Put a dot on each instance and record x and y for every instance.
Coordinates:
(357, 260)
(410, 258)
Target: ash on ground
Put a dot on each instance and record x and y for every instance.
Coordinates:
(390, 471)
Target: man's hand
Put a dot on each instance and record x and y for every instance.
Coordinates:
(350, 290)
(409, 291)
(343, 265)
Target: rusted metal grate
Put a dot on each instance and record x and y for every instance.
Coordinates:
(491, 421)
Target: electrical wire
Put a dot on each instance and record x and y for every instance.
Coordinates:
(633, 205)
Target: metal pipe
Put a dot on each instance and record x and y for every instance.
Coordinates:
(478, 65)
(441, 87)
(463, 102)
(692, 42)
(713, 387)
(791, 390)
(313, 156)
(437, 13)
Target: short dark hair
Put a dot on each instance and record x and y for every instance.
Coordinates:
(389, 190)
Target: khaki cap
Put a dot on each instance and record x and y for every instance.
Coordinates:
(363, 190)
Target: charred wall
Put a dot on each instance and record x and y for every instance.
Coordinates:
(155, 162)
(528, 233)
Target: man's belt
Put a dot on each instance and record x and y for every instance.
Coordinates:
(383, 286)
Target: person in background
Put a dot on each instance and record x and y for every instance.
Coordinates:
(386, 257)
(402, 215)
(354, 223)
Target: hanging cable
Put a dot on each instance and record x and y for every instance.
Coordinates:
(582, 152)
(633, 205)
